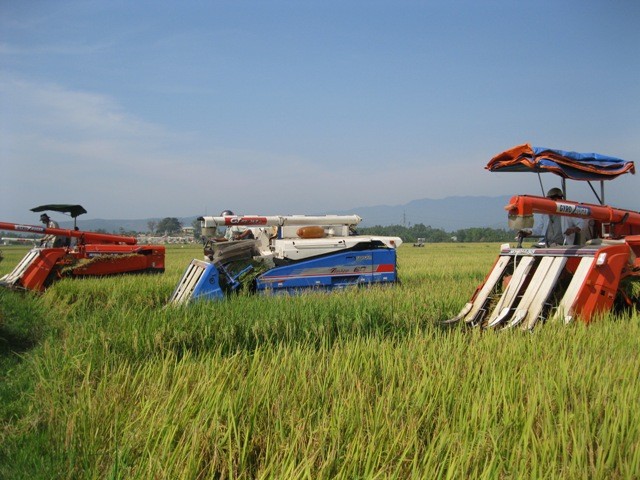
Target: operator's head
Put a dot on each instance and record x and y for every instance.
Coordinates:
(227, 213)
(555, 194)
(44, 218)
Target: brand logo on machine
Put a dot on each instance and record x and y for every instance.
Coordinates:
(29, 228)
(573, 209)
(338, 270)
(519, 251)
(247, 221)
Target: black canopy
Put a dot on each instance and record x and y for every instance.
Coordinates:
(72, 210)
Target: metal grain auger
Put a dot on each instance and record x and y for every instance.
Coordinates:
(286, 254)
(527, 286)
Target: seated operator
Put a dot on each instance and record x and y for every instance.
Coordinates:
(50, 240)
(556, 229)
(235, 232)
(232, 233)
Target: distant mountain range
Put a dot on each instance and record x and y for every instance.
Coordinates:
(449, 214)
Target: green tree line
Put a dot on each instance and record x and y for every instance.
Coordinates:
(433, 235)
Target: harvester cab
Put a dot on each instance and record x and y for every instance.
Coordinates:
(83, 254)
(527, 286)
(286, 254)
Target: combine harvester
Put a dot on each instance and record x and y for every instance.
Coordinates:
(84, 254)
(527, 286)
(287, 254)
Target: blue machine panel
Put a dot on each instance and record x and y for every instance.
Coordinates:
(333, 271)
(202, 280)
(208, 285)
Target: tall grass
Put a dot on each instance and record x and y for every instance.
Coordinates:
(356, 384)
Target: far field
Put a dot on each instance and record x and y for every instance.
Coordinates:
(99, 380)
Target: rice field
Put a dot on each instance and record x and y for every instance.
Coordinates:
(99, 380)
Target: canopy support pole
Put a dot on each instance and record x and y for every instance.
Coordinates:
(601, 196)
(540, 180)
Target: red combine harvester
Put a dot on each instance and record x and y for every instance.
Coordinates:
(82, 254)
(527, 286)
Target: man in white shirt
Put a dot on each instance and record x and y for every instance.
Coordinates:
(236, 232)
(556, 229)
(51, 240)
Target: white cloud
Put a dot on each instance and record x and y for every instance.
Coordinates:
(71, 113)
(58, 145)
(67, 146)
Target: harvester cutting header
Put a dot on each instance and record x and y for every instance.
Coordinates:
(76, 253)
(286, 253)
(559, 279)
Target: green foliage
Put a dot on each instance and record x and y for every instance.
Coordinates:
(22, 325)
(127, 233)
(106, 382)
(481, 234)
(168, 225)
(433, 235)
(197, 229)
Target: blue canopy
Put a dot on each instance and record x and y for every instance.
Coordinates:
(572, 165)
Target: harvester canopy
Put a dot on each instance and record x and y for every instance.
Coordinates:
(72, 210)
(571, 165)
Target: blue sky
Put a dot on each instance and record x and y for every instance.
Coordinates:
(155, 108)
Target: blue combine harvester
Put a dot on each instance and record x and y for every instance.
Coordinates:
(278, 254)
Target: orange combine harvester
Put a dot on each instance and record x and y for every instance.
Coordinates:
(82, 254)
(528, 286)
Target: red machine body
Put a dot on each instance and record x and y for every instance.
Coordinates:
(609, 221)
(526, 285)
(91, 254)
(530, 285)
